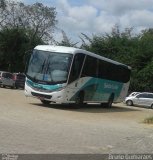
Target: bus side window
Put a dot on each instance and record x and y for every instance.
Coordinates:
(76, 67)
(90, 68)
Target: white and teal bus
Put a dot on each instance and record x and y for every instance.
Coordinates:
(69, 75)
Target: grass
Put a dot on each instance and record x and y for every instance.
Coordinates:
(149, 120)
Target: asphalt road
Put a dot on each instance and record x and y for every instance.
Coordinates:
(26, 126)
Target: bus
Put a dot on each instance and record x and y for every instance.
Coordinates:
(68, 75)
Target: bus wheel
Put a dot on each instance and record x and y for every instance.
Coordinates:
(45, 102)
(80, 98)
(110, 101)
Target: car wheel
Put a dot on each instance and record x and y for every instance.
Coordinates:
(151, 106)
(129, 103)
(16, 87)
(45, 102)
(13, 87)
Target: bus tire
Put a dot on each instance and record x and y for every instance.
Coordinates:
(110, 100)
(80, 98)
(45, 102)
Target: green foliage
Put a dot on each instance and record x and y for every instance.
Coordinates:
(148, 120)
(36, 17)
(22, 27)
(13, 45)
(133, 50)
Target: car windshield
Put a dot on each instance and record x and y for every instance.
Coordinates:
(133, 94)
(49, 67)
(7, 75)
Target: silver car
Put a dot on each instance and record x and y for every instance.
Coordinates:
(133, 94)
(142, 99)
(6, 79)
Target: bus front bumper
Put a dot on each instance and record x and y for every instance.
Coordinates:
(56, 97)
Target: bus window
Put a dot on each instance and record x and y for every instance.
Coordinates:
(113, 72)
(76, 67)
(90, 68)
(103, 69)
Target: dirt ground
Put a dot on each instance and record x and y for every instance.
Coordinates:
(26, 126)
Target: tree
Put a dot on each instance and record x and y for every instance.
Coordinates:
(117, 45)
(13, 44)
(22, 27)
(66, 41)
(39, 19)
(133, 50)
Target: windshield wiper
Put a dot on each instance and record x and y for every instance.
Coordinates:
(46, 71)
(42, 68)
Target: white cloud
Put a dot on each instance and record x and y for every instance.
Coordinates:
(119, 7)
(99, 16)
(139, 19)
(142, 18)
(83, 13)
(104, 23)
(79, 13)
(76, 19)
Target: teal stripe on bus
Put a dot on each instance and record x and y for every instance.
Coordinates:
(99, 90)
(43, 86)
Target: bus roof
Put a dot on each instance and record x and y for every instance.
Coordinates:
(53, 48)
(72, 50)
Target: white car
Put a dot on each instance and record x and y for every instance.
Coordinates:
(142, 99)
(6, 79)
(133, 94)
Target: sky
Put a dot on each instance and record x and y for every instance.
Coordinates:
(99, 16)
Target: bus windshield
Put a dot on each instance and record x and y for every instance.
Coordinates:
(49, 67)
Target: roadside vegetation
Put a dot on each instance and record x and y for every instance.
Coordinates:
(149, 120)
(22, 27)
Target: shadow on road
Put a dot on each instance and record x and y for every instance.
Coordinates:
(89, 108)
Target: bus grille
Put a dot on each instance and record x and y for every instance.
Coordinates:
(41, 95)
